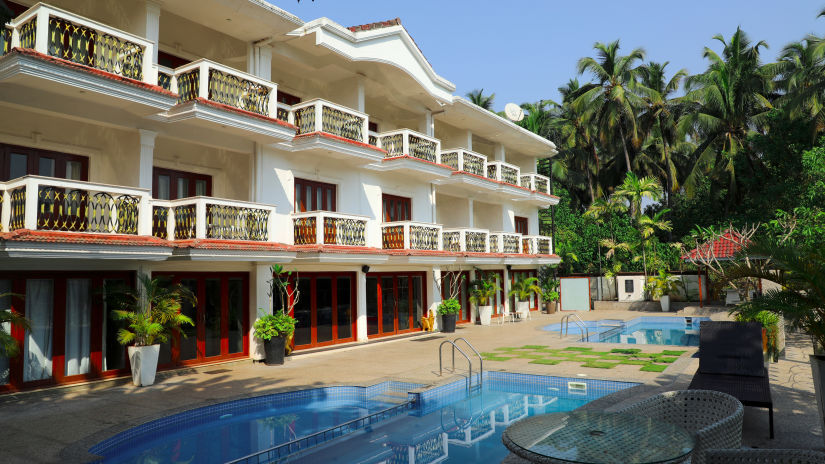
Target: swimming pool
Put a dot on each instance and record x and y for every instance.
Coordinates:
(645, 330)
(442, 424)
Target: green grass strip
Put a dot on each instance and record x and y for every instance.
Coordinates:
(577, 348)
(673, 352)
(635, 362)
(653, 368)
(664, 359)
(531, 356)
(497, 358)
(549, 362)
(506, 348)
(626, 350)
(534, 347)
(599, 365)
(613, 357)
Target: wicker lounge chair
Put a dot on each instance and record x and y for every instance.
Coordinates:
(764, 456)
(715, 418)
(731, 361)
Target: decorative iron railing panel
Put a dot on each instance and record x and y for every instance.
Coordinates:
(345, 231)
(393, 145)
(186, 219)
(282, 114)
(77, 210)
(451, 241)
(473, 164)
(511, 243)
(543, 246)
(305, 231)
(509, 175)
(423, 238)
(89, 47)
(541, 185)
(492, 171)
(392, 237)
(527, 246)
(422, 148)
(17, 202)
(493, 243)
(236, 223)
(373, 140)
(189, 85)
(239, 93)
(28, 34)
(5, 39)
(165, 81)
(450, 159)
(337, 122)
(476, 241)
(526, 182)
(160, 221)
(305, 119)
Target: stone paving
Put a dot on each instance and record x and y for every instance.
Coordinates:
(60, 424)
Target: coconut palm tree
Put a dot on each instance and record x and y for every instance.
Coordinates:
(635, 189)
(648, 226)
(801, 76)
(611, 103)
(485, 101)
(727, 103)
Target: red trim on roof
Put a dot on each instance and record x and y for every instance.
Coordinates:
(242, 245)
(90, 70)
(49, 236)
(392, 158)
(724, 247)
(378, 25)
(242, 112)
(339, 139)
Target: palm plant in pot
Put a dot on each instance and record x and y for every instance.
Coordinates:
(663, 285)
(549, 288)
(152, 315)
(484, 289)
(277, 329)
(448, 309)
(800, 272)
(524, 289)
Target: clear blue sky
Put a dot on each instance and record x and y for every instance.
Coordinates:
(523, 50)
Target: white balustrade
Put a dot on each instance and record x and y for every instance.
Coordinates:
(466, 240)
(504, 172)
(411, 143)
(328, 228)
(537, 245)
(535, 182)
(465, 161)
(319, 115)
(409, 235)
(221, 84)
(505, 242)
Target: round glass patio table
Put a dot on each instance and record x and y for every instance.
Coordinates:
(597, 438)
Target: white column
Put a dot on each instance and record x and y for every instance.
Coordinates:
(152, 27)
(360, 93)
(469, 142)
(470, 213)
(259, 61)
(260, 303)
(433, 205)
(434, 295)
(257, 175)
(147, 155)
(506, 288)
(499, 152)
(427, 126)
(472, 311)
(361, 307)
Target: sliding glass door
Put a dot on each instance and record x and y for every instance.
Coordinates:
(324, 310)
(395, 302)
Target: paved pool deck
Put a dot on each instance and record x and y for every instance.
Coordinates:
(60, 424)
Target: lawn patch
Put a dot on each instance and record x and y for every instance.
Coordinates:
(577, 348)
(506, 348)
(653, 368)
(673, 352)
(497, 358)
(533, 347)
(530, 356)
(663, 359)
(635, 362)
(599, 364)
(626, 350)
(613, 357)
(549, 362)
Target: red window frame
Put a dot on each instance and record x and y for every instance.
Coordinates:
(498, 301)
(463, 296)
(381, 290)
(327, 193)
(33, 161)
(314, 276)
(524, 273)
(396, 208)
(59, 279)
(174, 175)
(521, 225)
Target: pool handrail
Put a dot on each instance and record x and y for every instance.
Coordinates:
(564, 326)
(480, 359)
(455, 347)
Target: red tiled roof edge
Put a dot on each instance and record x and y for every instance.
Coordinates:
(726, 246)
(48, 236)
(222, 106)
(340, 139)
(218, 244)
(376, 25)
(108, 75)
(391, 158)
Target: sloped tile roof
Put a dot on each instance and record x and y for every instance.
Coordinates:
(724, 247)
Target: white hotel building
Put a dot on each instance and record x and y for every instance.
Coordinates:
(209, 139)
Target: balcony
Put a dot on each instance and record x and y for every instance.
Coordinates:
(212, 96)
(504, 242)
(537, 245)
(465, 161)
(536, 183)
(410, 153)
(408, 235)
(328, 228)
(330, 130)
(503, 172)
(466, 240)
(66, 56)
(212, 218)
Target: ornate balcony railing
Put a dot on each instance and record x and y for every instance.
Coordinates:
(372, 138)
(327, 228)
(503, 172)
(5, 40)
(166, 79)
(55, 32)
(222, 84)
(411, 143)
(322, 116)
(46, 203)
(505, 242)
(537, 245)
(408, 235)
(284, 113)
(536, 182)
(212, 218)
(465, 161)
(465, 239)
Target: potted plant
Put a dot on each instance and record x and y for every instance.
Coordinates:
(800, 272)
(277, 329)
(523, 290)
(9, 348)
(483, 290)
(152, 316)
(661, 286)
(448, 309)
(549, 289)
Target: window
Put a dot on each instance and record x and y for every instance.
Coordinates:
(314, 196)
(373, 126)
(396, 208)
(521, 225)
(16, 161)
(288, 99)
(168, 184)
(171, 61)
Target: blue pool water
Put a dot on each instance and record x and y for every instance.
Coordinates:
(646, 330)
(443, 424)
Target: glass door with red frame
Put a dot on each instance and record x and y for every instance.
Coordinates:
(324, 309)
(396, 208)
(170, 184)
(314, 196)
(521, 225)
(519, 275)
(461, 282)
(395, 303)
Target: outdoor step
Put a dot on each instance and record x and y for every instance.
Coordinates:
(391, 397)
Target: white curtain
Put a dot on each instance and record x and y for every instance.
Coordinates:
(5, 303)
(38, 345)
(78, 323)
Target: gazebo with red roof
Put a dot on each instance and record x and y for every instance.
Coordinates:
(723, 248)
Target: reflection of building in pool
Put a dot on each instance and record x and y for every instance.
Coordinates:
(475, 429)
(426, 449)
(206, 151)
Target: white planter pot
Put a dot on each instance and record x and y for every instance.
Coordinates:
(144, 362)
(484, 314)
(818, 371)
(523, 309)
(665, 301)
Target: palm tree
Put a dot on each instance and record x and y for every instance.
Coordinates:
(635, 189)
(485, 101)
(727, 102)
(647, 227)
(801, 75)
(611, 103)
(536, 117)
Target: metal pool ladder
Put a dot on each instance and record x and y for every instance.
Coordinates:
(469, 361)
(565, 325)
